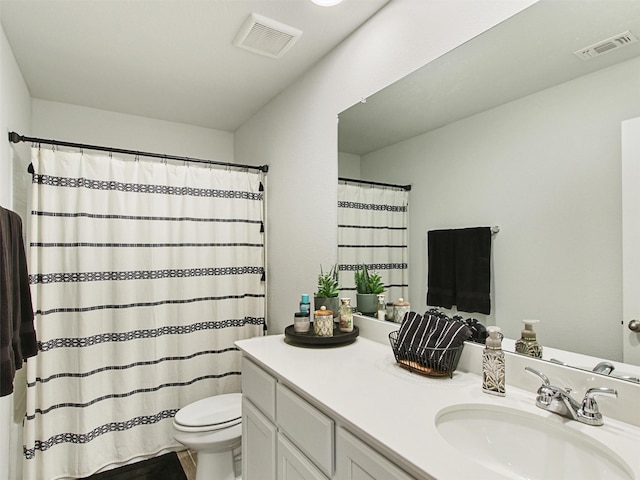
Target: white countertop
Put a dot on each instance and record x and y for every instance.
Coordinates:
(394, 410)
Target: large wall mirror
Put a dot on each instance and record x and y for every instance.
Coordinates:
(513, 129)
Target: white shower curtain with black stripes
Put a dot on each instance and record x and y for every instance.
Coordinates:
(143, 275)
(372, 230)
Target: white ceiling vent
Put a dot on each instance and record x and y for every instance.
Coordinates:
(617, 41)
(266, 36)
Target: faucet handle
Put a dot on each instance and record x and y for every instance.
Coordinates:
(589, 404)
(590, 410)
(545, 379)
(546, 392)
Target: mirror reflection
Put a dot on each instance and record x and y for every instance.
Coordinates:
(515, 129)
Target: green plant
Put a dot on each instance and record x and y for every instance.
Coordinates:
(367, 283)
(328, 283)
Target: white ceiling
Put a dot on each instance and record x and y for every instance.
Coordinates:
(523, 55)
(168, 59)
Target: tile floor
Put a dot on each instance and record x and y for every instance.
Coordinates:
(188, 461)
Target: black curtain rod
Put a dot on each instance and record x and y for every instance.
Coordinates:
(15, 138)
(367, 182)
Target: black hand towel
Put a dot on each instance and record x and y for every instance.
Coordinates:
(16, 313)
(460, 269)
(473, 269)
(441, 281)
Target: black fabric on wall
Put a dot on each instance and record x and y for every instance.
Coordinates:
(17, 334)
(459, 263)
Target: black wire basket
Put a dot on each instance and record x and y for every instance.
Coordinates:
(431, 362)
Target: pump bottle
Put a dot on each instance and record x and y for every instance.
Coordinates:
(527, 344)
(493, 369)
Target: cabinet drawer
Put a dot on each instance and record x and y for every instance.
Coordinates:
(259, 387)
(307, 428)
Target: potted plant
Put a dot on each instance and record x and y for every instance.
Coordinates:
(328, 291)
(368, 287)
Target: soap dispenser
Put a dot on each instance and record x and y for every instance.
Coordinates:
(493, 371)
(527, 344)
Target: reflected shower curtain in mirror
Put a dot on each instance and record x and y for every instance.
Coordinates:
(372, 229)
(143, 275)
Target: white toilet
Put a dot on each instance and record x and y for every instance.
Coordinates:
(212, 427)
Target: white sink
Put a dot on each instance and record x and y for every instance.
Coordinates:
(521, 445)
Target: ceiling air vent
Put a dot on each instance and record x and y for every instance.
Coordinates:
(617, 41)
(266, 37)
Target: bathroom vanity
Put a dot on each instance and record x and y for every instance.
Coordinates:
(350, 412)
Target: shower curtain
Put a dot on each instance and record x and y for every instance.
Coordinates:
(143, 274)
(372, 230)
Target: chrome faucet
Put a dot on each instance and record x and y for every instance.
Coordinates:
(558, 400)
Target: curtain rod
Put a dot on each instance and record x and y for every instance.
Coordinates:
(16, 138)
(367, 182)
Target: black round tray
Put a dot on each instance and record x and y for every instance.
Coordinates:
(310, 339)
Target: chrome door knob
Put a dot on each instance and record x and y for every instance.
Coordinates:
(634, 325)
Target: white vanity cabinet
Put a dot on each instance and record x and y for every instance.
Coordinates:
(285, 437)
(355, 460)
(293, 465)
(259, 437)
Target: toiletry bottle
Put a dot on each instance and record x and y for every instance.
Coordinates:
(305, 305)
(389, 316)
(381, 309)
(493, 374)
(346, 315)
(527, 344)
(301, 322)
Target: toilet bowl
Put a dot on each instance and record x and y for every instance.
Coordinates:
(212, 427)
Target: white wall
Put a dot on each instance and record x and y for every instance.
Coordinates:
(546, 169)
(348, 165)
(296, 133)
(73, 123)
(15, 114)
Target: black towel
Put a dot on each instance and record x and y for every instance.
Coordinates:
(460, 269)
(473, 269)
(431, 340)
(441, 282)
(18, 338)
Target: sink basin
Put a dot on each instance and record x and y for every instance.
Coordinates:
(521, 445)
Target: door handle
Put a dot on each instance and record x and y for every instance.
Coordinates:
(634, 325)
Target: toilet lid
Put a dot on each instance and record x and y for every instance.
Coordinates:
(219, 411)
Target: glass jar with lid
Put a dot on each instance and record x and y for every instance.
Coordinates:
(323, 322)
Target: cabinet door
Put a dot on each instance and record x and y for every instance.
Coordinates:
(293, 465)
(357, 461)
(259, 437)
(307, 427)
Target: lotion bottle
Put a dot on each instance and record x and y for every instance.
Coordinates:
(493, 369)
